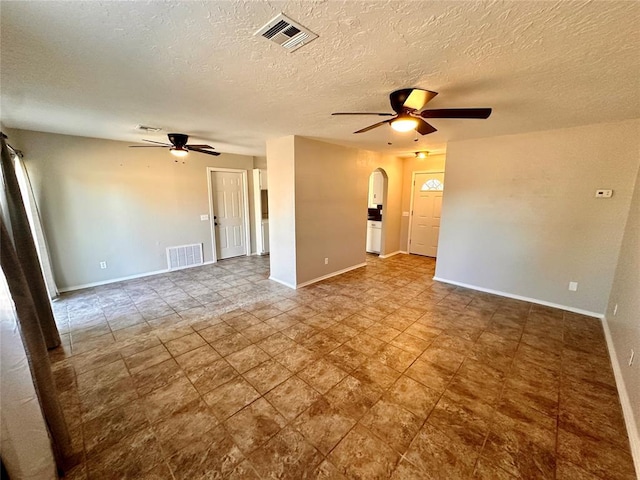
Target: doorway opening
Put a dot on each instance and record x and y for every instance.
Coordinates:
(376, 199)
(426, 208)
(228, 212)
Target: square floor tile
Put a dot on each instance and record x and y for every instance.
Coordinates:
(254, 425)
(231, 397)
(323, 425)
(286, 456)
(292, 397)
(361, 455)
(322, 375)
(247, 358)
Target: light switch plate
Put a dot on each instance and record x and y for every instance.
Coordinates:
(405, 214)
(204, 218)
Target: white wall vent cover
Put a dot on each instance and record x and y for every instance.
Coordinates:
(287, 33)
(184, 256)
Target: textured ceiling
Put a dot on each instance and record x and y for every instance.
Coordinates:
(97, 69)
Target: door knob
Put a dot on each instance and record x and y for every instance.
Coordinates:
(215, 223)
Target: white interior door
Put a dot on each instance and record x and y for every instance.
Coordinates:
(228, 211)
(425, 219)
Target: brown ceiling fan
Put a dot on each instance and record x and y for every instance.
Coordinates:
(408, 104)
(179, 146)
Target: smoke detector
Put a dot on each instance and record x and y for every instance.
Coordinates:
(286, 33)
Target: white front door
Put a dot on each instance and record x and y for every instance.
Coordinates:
(228, 211)
(425, 219)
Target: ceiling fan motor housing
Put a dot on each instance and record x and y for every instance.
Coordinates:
(178, 139)
(398, 98)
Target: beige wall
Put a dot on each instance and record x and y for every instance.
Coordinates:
(259, 162)
(520, 217)
(433, 163)
(102, 201)
(331, 184)
(625, 324)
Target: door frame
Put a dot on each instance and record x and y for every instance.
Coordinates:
(413, 188)
(245, 200)
(385, 192)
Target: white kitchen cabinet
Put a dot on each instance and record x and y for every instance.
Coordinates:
(376, 189)
(262, 178)
(374, 236)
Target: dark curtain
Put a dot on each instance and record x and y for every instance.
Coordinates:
(21, 267)
(26, 250)
(3, 471)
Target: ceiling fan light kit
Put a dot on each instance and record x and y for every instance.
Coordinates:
(408, 104)
(178, 152)
(404, 123)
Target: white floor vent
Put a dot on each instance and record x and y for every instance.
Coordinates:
(184, 256)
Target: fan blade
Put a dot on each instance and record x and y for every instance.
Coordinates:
(479, 113)
(191, 149)
(419, 98)
(410, 99)
(198, 146)
(424, 128)
(148, 146)
(159, 143)
(365, 113)
(371, 127)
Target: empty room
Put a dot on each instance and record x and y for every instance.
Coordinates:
(190, 287)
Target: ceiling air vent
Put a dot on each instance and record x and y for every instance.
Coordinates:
(146, 128)
(287, 33)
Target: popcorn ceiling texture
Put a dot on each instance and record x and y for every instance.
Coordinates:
(99, 68)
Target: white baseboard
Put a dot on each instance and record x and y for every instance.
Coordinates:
(129, 277)
(282, 282)
(627, 411)
(520, 297)
(391, 254)
(333, 274)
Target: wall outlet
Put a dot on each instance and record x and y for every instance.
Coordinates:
(573, 286)
(604, 193)
(326, 261)
(103, 265)
(633, 354)
(615, 309)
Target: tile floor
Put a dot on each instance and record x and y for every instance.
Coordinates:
(217, 372)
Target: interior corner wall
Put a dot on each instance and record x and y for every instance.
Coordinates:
(282, 210)
(259, 162)
(331, 187)
(433, 163)
(520, 215)
(102, 201)
(624, 325)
